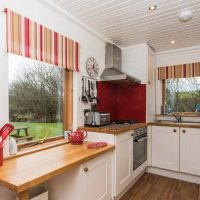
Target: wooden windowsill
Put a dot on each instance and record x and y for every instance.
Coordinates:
(185, 114)
(38, 147)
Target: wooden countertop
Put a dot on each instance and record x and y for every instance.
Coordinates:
(116, 131)
(20, 174)
(176, 124)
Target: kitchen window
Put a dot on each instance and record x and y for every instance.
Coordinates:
(37, 101)
(182, 94)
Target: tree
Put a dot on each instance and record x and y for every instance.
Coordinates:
(37, 93)
(183, 94)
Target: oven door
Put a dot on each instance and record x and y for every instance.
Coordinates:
(139, 151)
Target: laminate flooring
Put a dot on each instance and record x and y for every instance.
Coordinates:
(154, 187)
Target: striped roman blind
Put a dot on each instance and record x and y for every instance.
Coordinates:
(32, 40)
(179, 71)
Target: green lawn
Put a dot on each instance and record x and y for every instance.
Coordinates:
(39, 130)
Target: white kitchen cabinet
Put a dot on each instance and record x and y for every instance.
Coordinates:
(123, 161)
(165, 147)
(189, 150)
(96, 178)
(123, 158)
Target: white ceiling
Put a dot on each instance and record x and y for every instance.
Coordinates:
(129, 22)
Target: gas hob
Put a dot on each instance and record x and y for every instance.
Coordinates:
(119, 124)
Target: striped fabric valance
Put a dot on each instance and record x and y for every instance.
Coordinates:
(179, 71)
(32, 40)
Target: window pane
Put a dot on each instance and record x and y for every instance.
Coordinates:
(183, 94)
(35, 98)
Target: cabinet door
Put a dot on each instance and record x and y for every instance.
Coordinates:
(123, 161)
(165, 147)
(97, 178)
(189, 150)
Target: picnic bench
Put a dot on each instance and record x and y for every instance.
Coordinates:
(19, 128)
(19, 137)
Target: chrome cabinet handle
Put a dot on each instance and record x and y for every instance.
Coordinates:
(85, 169)
(174, 130)
(184, 131)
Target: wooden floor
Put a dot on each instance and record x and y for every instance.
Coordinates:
(154, 187)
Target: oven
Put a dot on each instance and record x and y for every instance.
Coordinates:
(139, 147)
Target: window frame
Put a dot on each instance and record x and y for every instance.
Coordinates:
(67, 112)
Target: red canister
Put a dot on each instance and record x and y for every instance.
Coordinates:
(1, 156)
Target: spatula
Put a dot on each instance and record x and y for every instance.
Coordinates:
(5, 131)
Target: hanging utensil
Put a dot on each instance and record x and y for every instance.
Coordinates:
(86, 91)
(92, 88)
(89, 96)
(4, 132)
(83, 98)
(97, 99)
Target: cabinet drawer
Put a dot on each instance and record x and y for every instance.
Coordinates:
(163, 129)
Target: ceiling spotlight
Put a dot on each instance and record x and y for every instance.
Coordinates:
(153, 7)
(172, 42)
(185, 16)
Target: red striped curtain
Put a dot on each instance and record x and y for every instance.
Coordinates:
(32, 40)
(179, 71)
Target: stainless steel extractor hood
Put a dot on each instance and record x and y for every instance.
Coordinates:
(112, 72)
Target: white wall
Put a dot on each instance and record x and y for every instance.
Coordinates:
(178, 56)
(134, 61)
(151, 104)
(91, 45)
(3, 78)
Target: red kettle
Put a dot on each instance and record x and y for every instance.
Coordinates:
(77, 136)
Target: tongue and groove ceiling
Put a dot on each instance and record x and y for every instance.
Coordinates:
(129, 22)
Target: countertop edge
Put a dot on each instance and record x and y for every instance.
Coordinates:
(138, 125)
(174, 125)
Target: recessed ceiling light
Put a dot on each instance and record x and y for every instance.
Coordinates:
(172, 42)
(153, 7)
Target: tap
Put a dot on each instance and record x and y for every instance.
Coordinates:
(178, 117)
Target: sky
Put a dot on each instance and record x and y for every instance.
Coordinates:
(186, 84)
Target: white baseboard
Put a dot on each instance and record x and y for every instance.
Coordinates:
(175, 175)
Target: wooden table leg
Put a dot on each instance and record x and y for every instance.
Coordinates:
(18, 132)
(23, 195)
(26, 131)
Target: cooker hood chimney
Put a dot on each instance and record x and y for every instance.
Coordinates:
(112, 72)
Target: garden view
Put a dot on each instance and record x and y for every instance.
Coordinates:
(183, 94)
(35, 98)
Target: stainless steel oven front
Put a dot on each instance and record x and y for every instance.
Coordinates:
(139, 147)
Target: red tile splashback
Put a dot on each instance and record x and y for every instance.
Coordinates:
(108, 96)
(123, 101)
